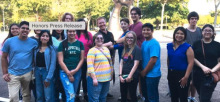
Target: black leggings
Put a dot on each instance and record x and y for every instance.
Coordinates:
(83, 79)
(177, 93)
(131, 87)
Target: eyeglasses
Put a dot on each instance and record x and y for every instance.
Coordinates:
(129, 38)
(99, 38)
(24, 28)
(208, 31)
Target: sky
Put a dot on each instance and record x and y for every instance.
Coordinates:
(202, 7)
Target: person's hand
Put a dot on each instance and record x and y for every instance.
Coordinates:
(71, 78)
(183, 82)
(46, 84)
(110, 43)
(73, 72)
(206, 70)
(95, 82)
(128, 79)
(122, 80)
(6, 77)
(143, 73)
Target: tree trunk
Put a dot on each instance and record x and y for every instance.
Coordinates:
(114, 24)
(161, 24)
(129, 14)
(216, 11)
(88, 23)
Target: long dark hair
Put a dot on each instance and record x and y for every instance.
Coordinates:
(78, 32)
(49, 43)
(9, 33)
(57, 36)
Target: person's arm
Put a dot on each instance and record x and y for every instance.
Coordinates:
(216, 68)
(190, 59)
(52, 65)
(79, 64)
(134, 68)
(107, 44)
(4, 62)
(120, 40)
(62, 64)
(120, 71)
(205, 69)
(91, 66)
(149, 66)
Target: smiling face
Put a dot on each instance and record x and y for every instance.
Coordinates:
(147, 32)
(101, 24)
(207, 33)
(124, 25)
(129, 39)
(24, 30)
(179, 36)
(99, 40)
(71, 34)
(44, 38)
(134, 16)
(14, 30)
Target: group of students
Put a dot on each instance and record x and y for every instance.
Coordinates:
(63, 59)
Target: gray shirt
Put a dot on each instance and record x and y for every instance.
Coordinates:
(193, 36)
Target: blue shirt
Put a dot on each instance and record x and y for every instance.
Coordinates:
(150, 49)
(120, 47)
(21, 54)
(177, 58)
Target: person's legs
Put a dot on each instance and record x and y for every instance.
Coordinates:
(47, 90)
(132, 87)
(26, 92)
(13, 88)
(104, 91)
(39, 85)
(144, 88)
(77, 78)
(173, 86)
(206, 92)
(124, 91)
(93, 91)
(68, 87)
(152, 88)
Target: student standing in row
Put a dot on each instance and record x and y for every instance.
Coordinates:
(206, 60)
(70, 58)
(45, 64)
(194, 33)
(180, 61)
(151, 64)
(100, 70)
(128, 74)
(16, 73)
(86, 38)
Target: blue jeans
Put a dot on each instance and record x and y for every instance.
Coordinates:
(43, 93)
(70, 88)
(149, 87)
(97, 93)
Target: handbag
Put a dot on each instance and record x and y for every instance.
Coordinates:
(215, 75)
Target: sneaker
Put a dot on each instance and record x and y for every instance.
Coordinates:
(193, 100)
(119, 98)
(109, 96)
(86, 98)
(77, 99)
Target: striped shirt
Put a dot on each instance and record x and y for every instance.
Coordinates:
(99, 65)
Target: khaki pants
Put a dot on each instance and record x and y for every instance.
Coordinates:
(14, 85)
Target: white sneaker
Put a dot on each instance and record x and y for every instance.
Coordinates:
(20, 101)
(189, 99)
(194, 100)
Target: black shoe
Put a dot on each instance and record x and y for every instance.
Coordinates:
(119, 98)
(109, 96)
(86, 98)
(77, 99)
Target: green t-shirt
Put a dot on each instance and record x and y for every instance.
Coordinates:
(72, 55)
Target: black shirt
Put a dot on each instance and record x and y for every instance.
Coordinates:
(40, 60)
(212, 53)
(108, 37)
(128, 61)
